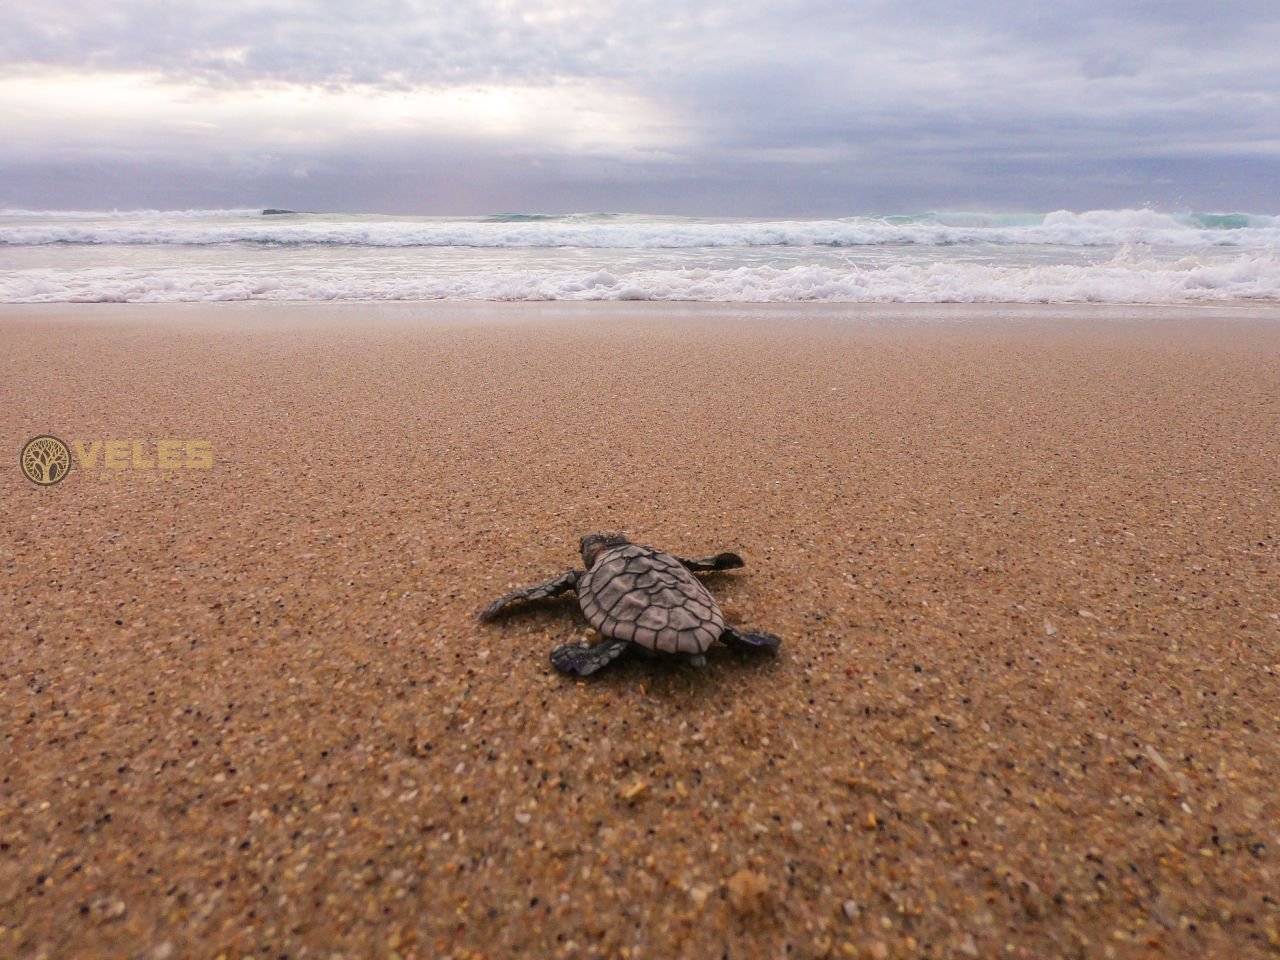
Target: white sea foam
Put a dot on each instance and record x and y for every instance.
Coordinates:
(1113, 256)
(1124, 279)
(1099, 228)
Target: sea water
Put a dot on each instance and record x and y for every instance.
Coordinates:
(1103, 256)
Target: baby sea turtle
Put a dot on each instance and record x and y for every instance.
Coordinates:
(636, 594)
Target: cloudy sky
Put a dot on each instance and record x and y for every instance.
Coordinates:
(809, 108)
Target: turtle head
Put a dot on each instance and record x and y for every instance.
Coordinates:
(594, 544)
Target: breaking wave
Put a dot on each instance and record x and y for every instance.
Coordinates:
(1123, 279)
(1097, 228)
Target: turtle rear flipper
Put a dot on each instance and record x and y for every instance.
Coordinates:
(584, 661)
(555, 587)
(746, 640)
(721, 561)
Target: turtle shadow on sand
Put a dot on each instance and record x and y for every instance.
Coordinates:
(640, 599)
(663, 674)
(562, 604)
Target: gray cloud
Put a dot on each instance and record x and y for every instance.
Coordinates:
(826, 106)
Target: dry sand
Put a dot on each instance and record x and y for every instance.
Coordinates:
(1023, 559)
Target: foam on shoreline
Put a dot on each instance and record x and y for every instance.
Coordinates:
(1128, 278)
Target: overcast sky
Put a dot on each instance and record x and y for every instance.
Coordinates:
(815, 108)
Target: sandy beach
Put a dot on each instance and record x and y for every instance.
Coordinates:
(1023, 559)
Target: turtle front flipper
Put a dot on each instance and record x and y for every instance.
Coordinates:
(564, 582)
(721, 561)
(584, 661)
(745, 640)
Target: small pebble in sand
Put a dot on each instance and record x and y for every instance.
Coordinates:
(699, 895)
(108, 908)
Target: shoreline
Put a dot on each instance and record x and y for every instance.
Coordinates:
(1263, 310)
(1022, 558)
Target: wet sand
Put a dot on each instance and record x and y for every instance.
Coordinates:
(1023, 561)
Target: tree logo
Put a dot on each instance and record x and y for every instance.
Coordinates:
(45, 460)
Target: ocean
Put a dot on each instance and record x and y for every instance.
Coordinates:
(1099, 256)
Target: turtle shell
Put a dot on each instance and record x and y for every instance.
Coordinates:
(649, 597)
